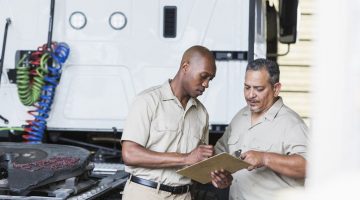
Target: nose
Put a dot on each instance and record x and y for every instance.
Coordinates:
(206, 83)
(252, 93)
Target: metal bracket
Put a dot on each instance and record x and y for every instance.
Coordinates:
(230, 55)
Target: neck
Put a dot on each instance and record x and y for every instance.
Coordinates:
(256, 116)
(179, 92)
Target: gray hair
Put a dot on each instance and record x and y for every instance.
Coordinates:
(271, 67)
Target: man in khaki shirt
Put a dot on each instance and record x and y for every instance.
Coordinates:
(163, 131)
(268, 135)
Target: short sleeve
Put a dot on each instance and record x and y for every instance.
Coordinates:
(296, 140)
(222, 143)
(137, 125)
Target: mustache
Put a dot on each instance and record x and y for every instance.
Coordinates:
(252, 100)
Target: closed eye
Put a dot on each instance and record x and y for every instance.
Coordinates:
(205, 76)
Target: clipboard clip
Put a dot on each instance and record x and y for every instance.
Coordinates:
(238, 153)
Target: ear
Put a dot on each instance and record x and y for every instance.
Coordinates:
(185, 66)
(276, 88)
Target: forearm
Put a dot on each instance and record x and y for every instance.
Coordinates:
(136, 155)
(288, 165)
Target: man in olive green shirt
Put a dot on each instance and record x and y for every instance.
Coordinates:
(163, 131)
(271, 137)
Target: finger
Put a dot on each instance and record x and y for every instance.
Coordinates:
(225, 172)
(218, 184)
(226, 177)
(207, 153)
(243, 156)
(216, 177)
(206, 146)
(221, 175)
(215, 184)
(208, 150)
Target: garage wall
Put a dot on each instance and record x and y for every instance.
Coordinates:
(295, 66)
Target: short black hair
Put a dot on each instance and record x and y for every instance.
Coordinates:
(271, 67)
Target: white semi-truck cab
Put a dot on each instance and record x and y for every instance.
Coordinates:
(116, 49)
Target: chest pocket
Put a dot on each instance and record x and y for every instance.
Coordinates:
(234, 143)
(166, 124)
(261, 145)
(163, 132)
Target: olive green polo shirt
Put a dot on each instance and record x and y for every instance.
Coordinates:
(158, 122)
(280, 131)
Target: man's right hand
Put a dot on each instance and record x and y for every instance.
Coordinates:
(199, 153)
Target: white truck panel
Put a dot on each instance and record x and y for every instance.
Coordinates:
(107, 67)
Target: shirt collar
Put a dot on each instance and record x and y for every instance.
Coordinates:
(274, 110)
(166, 91)
(167, 94)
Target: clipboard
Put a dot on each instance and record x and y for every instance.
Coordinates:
(200, 171)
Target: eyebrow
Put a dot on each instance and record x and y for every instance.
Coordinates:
(208, 74)
(256, 86)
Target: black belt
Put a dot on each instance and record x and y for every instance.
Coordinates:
(173, 189)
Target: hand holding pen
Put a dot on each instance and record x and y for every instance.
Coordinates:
(203, 151)
(254, 158)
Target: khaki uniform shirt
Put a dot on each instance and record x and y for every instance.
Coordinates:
(280, 131)
(158, 122)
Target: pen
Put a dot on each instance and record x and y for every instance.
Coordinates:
(202, 141)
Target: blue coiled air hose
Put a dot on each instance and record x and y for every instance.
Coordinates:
(36, 128)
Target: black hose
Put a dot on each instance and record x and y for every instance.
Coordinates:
(8, 22)
(51, 23)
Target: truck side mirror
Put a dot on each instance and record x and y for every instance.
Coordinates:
(288, 21)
